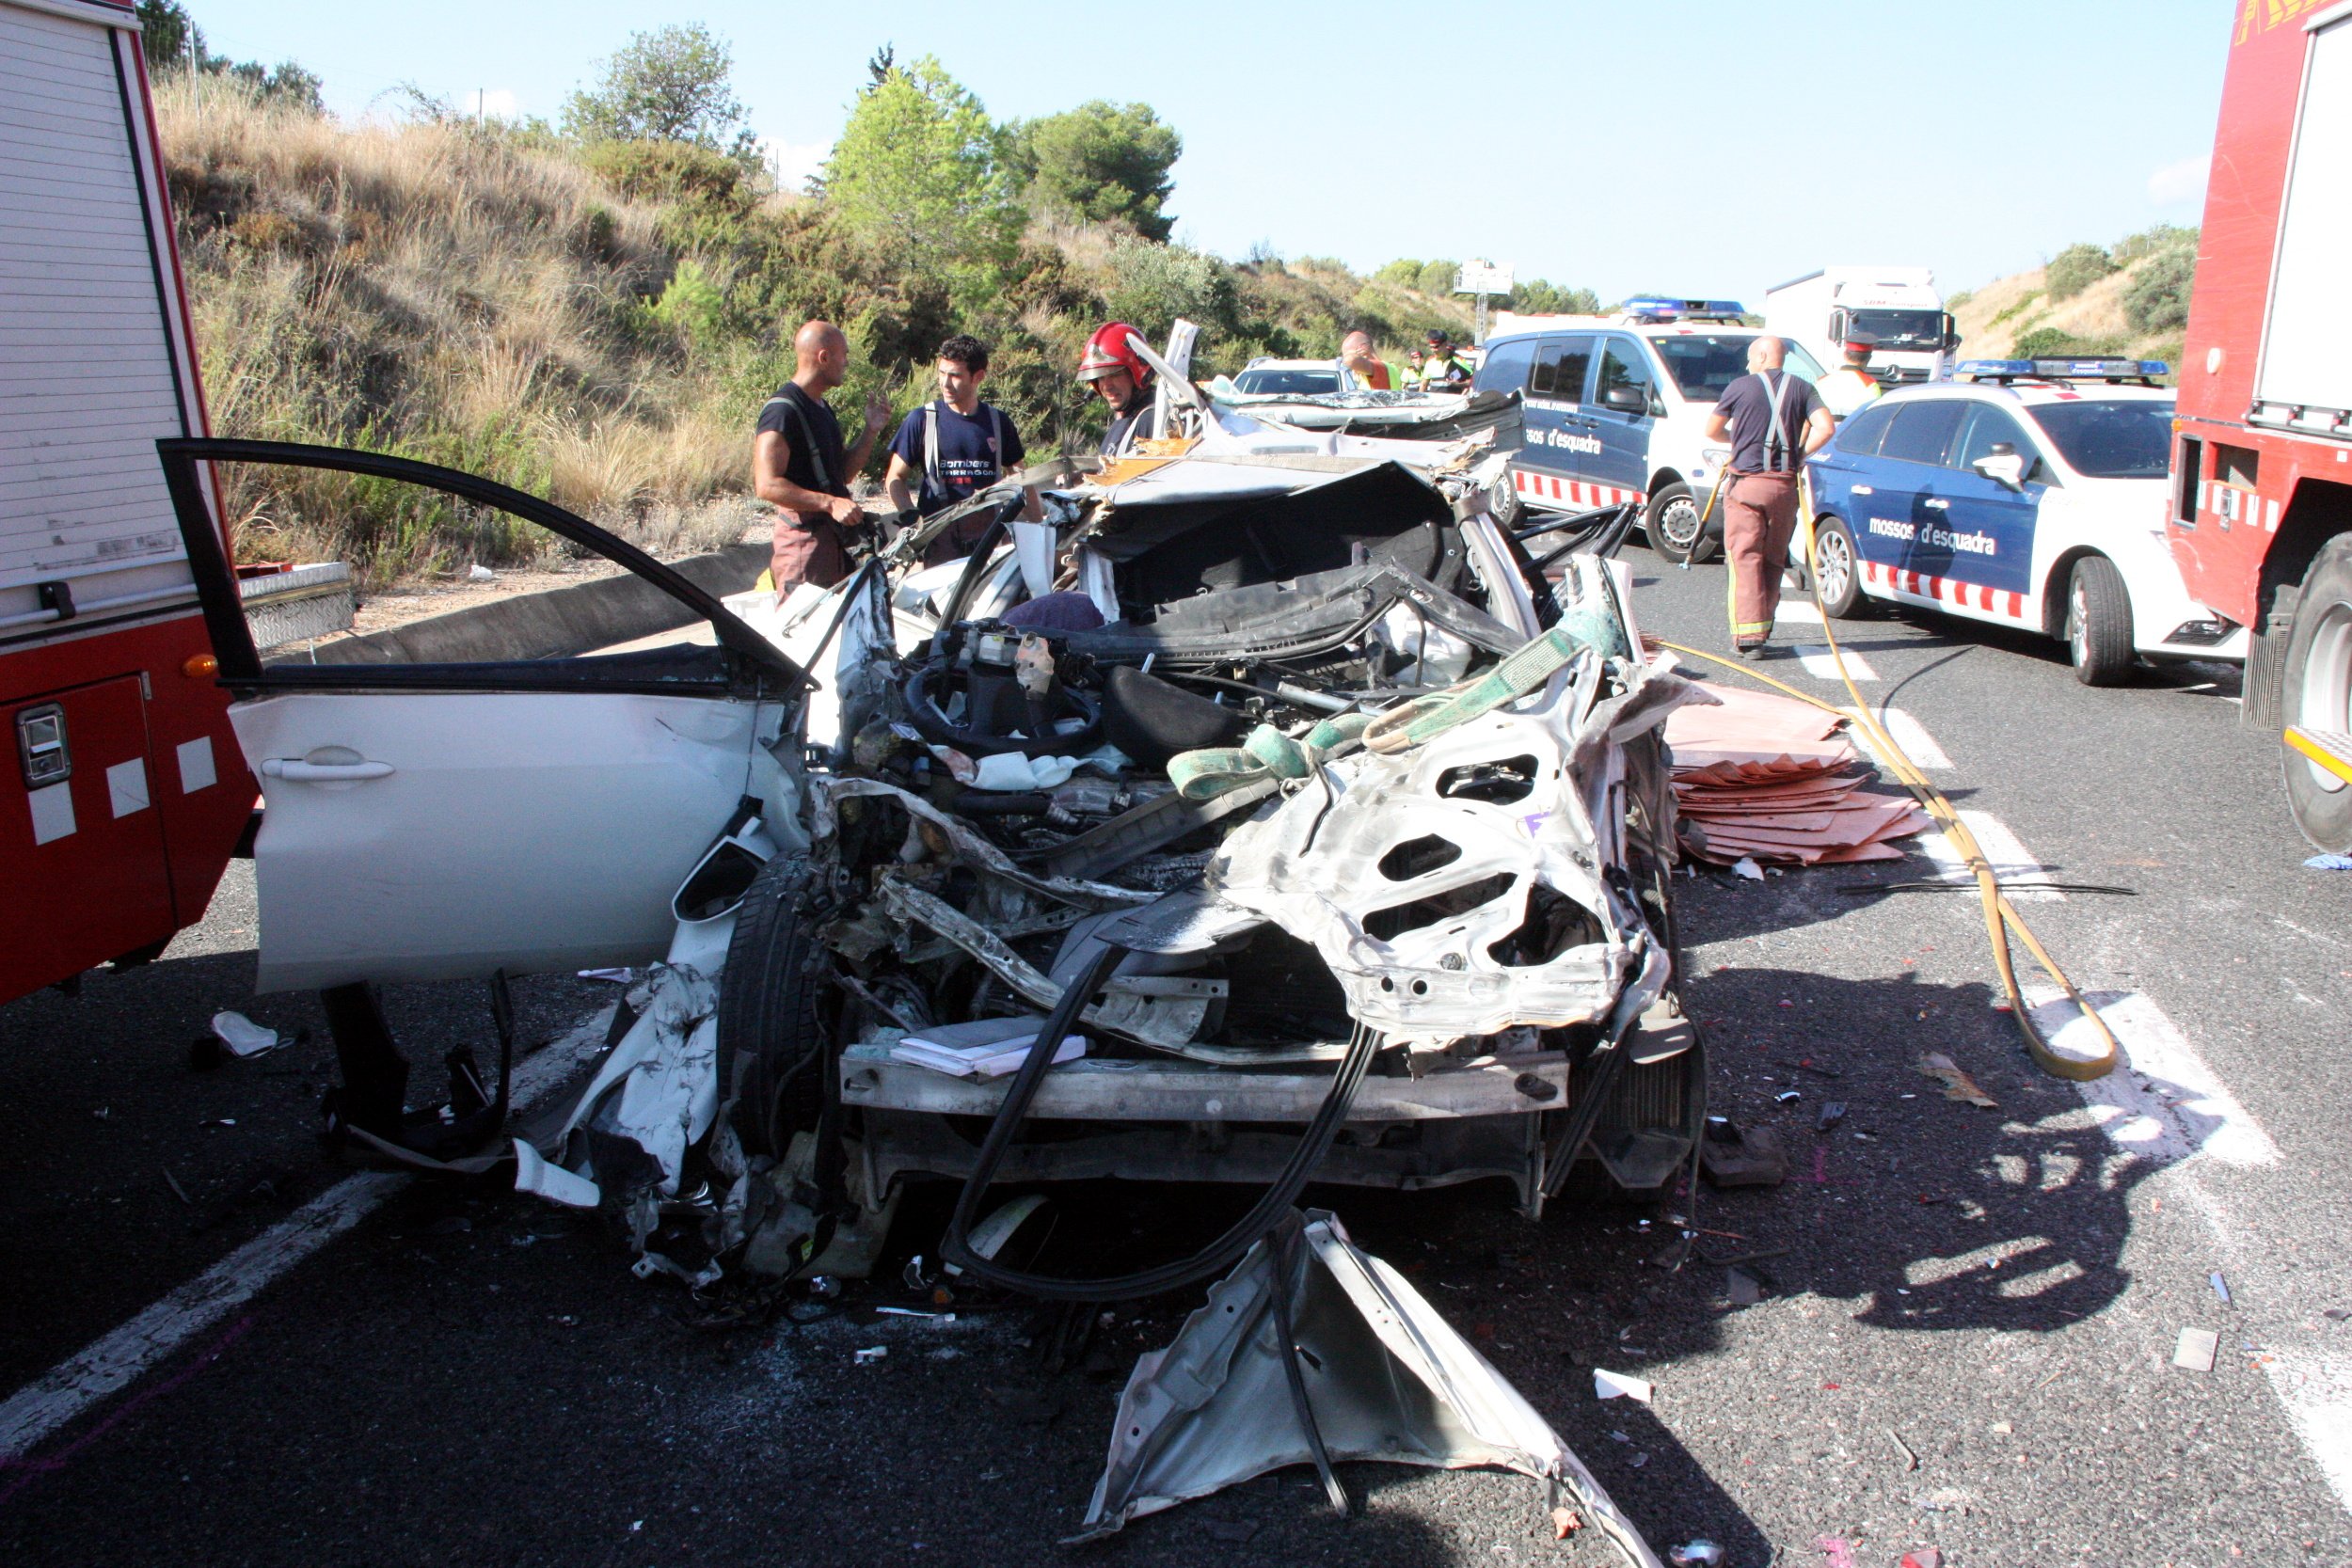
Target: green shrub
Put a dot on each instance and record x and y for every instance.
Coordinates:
(2157, 299)
(1405, 273)
(2076, 268)
(1436, 277)
(2017, 306)
(2049, 342)
(2148, 242)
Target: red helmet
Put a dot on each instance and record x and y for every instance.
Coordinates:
(1108, 350)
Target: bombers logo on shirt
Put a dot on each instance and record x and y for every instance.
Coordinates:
(1941, 538)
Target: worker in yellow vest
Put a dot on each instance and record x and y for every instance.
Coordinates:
(1850, 388)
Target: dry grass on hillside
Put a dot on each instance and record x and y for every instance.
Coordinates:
(1995, 317)
(435, 291)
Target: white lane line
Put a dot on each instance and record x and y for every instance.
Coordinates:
(2024, 880)
(1908, 733)
(2162, 1102)
(1822, 664)
(117, 1359)
(1798, 612)
(2316, 1388)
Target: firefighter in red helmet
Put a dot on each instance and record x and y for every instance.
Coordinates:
(1122, 380)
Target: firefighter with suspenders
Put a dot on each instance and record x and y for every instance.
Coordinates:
(950, 448)
(1772, 422)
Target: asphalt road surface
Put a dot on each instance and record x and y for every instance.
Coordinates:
(1962, 1337)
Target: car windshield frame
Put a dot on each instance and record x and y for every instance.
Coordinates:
(1879, 324)
(1661, 344)
(2065, 426)
(1290, 381)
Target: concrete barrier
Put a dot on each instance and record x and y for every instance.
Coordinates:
(557, 623)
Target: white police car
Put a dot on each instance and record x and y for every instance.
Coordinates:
(2029, 493)
(1617, 407)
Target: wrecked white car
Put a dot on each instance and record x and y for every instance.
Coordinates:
(1322, 836)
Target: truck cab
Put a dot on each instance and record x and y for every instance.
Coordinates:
(1896, 308)
(1615, 408)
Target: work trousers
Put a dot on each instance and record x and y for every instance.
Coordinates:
(1759, 518)
(809, 548)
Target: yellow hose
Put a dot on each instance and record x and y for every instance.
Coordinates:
(2000, 916)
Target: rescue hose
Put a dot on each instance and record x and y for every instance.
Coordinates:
(2000, 917)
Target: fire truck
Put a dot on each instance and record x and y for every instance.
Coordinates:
(2261, 509)
(126, 794)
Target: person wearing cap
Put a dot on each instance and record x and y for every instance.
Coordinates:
(1772, 421)
(801, 464)
(1122, 379)
(1443, 371)
(1846, 390)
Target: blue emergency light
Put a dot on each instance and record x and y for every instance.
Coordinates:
(1660, 308)
(2061, 370)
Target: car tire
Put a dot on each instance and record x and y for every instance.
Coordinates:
(2319, 695)
(1837, 568)
(1672, 522)
(2098, 621)
(773, 1038)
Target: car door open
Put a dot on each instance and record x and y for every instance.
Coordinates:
(430, 821)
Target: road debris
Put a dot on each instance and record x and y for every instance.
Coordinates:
(2328, 863)
(1911, 1459)
(1832, 1113)
(1956, 1081)
(1611, 1385)
(1759, 776)
(2195, 1350)
(1565, 1522)
(1743, 1286)
(177, 1191)
(1836, 1551)
(1701, 1553)
(870, 1355)
(1379, 1374)
(1922, 1557)
(2221, 1287)
(1732, 1155)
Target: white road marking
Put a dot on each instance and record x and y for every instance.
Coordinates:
(2018, 871)
(1908, 734)
(2162, 1102)
(1822, 664)
(117, 1359)
(2316, 1388)
(1798, 612)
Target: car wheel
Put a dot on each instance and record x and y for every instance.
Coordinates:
(1837, 568)
(1672, 524)
(2319, 695)
(2098, 621)
(773, 1039)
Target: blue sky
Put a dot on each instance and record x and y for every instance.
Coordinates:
(1691, 145)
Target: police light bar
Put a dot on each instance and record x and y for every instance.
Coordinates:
(1661, 308)
(2061, 370)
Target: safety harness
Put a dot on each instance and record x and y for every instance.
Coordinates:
(934, 483)
(1780, 447)
(808, 431)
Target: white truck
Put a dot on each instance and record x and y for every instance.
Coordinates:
(1897, 307)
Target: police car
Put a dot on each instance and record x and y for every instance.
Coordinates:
(2028, 493)
(1615, 409)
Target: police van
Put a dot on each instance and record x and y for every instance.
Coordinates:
(2026, 493)
(1615, 408)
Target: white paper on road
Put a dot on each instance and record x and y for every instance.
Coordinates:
(2162, 1102)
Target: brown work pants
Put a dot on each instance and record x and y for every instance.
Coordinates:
(1759, 518)
(809, 548)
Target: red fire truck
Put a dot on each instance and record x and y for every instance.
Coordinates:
(125, 794)
(2262, 503)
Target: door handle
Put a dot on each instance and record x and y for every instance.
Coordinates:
(1938, 502)
(295, 771)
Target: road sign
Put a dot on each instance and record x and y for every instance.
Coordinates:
(1482, 278)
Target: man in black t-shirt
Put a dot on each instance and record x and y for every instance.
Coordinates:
(800, 463)
(952, 447)
(1773, 421)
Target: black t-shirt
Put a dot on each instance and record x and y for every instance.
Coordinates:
(816, 459)
(1747, 402)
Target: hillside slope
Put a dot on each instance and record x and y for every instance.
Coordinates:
(600, 324)
(1996, 319)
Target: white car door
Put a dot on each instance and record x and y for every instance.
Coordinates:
(434, 821)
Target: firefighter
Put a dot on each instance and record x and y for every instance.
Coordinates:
(1846, 390)
(1122, 380)
(949, 449)
(1772, 421)
(799, 462)
(1444, 369)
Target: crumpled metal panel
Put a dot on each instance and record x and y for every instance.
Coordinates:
(1356, 843)
(1384, 1374)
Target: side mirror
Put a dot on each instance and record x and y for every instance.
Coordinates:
(2005, 468)
(1951, 333)
(1625, 400)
